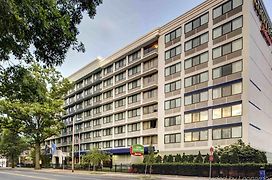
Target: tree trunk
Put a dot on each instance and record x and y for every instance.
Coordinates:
(37, 155)
(93, 167)
(12, 161)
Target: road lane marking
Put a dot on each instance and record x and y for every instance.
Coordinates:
(36, 177)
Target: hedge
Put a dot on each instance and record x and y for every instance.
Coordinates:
(202, 170)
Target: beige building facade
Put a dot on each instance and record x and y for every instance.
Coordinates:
(204, 79)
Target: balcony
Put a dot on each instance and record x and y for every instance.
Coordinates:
(150, 83)
(150, 131)
(152, 115)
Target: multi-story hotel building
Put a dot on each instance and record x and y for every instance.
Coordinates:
(201, 80)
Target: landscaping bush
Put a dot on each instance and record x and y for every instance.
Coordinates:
(196, 169)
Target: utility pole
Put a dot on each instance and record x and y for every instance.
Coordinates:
(73, 146)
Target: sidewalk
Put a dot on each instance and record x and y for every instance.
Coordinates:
(113, 174)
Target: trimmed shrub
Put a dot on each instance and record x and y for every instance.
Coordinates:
(195, 169)
(158, 159)
(199, 158)
(178, 158)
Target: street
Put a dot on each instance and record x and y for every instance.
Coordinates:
(50, 174)
(17, 174)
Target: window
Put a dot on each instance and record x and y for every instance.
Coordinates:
(196, 98)
(173, 52)
(173, 103)
(150, 140)
(196, 60)
(196, 79)
(97, 133)
(97, 110)
(119, 130)
(134, 56)
(150, 124)
(150, 109)
(172, 121)
(107, 132)
(107, 119)
(150, 78)
(150, 64)
(196, 117)
(97, 87)
(133, 127)
(228, 90)
(173, 86)
(196, 136)
(227, 69)
(107, 144)
(120, 76)
(119, 143)
(134, 84)
(150, 94)
(227, 133)
(120, 103)
(172, 35)
(228, 48)
(88, 91)
(172, 69)
(197, 41)
(120, 63)
(134, 70)
(97, 76)
(172, 138)
(107, 94)
(120, 116)
(197, 22)
(108, 70)
(134, 98)
(228, 27)
(107, 107)
(134, 113)
(120, 89)
(132, 141)
(228, 111)
(96, 122)
(226, 7)
(88, 80)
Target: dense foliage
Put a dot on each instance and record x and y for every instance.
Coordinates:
(194, 169)
(95, 157)
(12, 145)
(42, 30)
(32, 98)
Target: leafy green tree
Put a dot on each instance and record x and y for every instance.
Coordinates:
(95, 157)
(158, 159)
(48, 28)
(178, 158)
(240, 153)
(33, 97)
(12, 145)
(198, 158)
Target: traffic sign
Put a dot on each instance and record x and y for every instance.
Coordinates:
(211, 158)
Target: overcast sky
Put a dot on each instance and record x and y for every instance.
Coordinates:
(120, 22)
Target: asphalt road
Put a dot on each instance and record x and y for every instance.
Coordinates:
(16, 174)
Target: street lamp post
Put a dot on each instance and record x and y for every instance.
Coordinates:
(73, 146)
